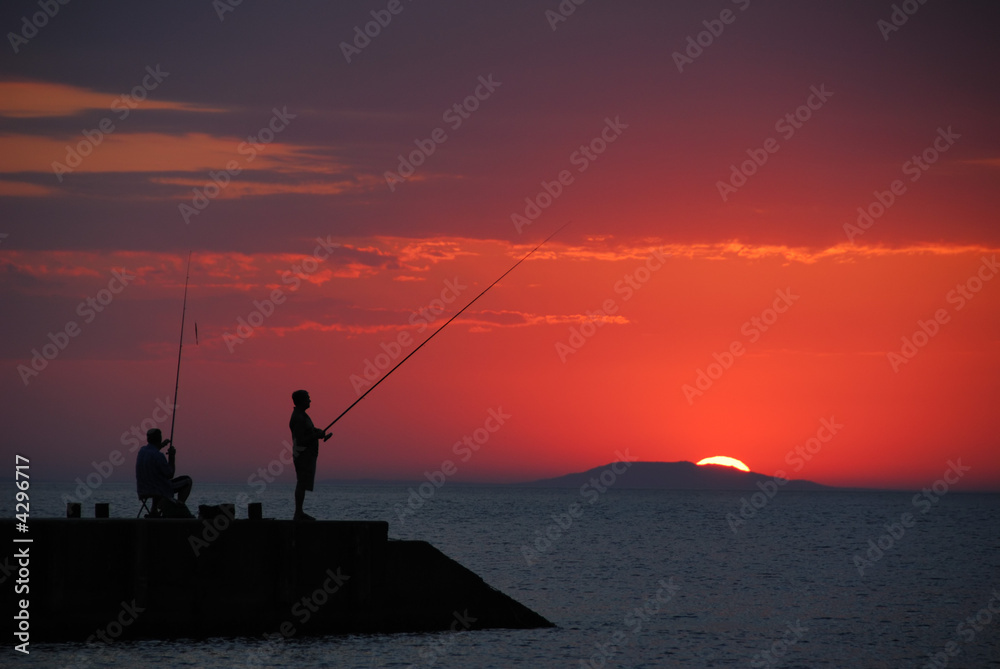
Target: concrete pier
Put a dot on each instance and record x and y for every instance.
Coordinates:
(195, 578)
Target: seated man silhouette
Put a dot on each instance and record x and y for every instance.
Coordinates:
(154, 478)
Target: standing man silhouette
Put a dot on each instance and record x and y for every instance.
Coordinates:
(305, 450)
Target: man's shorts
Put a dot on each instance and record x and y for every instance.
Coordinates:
(305, 468)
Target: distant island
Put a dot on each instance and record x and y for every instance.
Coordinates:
(674, 476)
(683, 475)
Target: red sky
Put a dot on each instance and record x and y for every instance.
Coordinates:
(908, 120)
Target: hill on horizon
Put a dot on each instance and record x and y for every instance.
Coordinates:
(683, 475)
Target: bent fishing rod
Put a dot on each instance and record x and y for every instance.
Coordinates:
(180, 347)
(459, 313)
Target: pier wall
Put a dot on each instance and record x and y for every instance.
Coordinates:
(189, 578)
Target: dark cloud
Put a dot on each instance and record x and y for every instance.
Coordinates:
(606, 60)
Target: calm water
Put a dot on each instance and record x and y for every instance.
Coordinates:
(642, 579)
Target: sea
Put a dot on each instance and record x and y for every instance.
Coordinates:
(638, 578)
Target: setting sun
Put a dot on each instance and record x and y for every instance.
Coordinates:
(723, 460)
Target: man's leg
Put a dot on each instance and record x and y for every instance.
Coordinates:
(300, 497)
(305, 474)
(182, 487)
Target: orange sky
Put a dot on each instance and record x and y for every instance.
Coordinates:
(613, 336)
(824, 358)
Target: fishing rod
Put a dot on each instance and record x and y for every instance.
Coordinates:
(444, 326)
(180, 347)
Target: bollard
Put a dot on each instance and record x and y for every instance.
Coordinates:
(255, 511)
(102, 510)
(72, 509)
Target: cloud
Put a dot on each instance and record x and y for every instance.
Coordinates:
(170, 157)
(158, 152)
(25, 189)
(212, 272)
(985, 162)
(843, 252)
(239, 188)
(513, 319)
(42, 99)
(419, 255)
(475, 321)
(399, 258)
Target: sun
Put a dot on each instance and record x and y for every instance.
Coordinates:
(723, 460)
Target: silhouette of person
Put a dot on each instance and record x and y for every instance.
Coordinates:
(305, 450)
(154, 476)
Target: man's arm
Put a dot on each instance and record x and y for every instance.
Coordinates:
(303, 430)
(165, 466)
